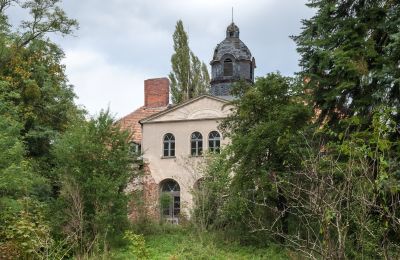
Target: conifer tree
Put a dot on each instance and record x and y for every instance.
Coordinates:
(189, 76)
(350, 52)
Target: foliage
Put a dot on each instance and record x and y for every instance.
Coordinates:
(349, 53)
(280, 180)
(22, 225)
(184, 243)
(30, 67)
(165, 202)
(28, 233)
(94, 163)
(16, 177)
(342, 197)
(210, 195)
(189, 77)
(137, 245)
(62, 178)
(265, 138)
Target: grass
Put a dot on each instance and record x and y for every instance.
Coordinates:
(180, 243)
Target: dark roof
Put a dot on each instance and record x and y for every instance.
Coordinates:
(232, 45)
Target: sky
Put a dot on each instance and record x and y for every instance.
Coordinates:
(120, 43)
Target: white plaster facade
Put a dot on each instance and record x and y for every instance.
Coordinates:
(202, 114)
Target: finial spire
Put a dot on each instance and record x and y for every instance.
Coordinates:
(232, 14)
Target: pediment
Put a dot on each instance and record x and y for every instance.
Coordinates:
(204, 107)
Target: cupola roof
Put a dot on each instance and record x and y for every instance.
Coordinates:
(232, 45)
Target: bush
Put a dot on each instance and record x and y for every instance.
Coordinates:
(137, 245)
(94, 162)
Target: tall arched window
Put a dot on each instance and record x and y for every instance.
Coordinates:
(170, 200)
(196, 144)
(169, 145)
(228, 67)
(214, 141)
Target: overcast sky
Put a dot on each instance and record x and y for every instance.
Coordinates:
(121, 43)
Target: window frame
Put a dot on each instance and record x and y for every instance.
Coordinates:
(228, 67)
(171, 188)
(168, 147)
(197, 150)
(214, 140)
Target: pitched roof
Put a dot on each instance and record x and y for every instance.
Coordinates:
(131, 123)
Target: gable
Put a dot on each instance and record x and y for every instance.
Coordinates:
(204, 107)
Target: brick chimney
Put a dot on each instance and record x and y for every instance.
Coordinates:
(156, 92)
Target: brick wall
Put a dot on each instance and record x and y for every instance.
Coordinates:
(144, 203)
(156, 92)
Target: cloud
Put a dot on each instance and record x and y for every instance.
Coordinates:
(120, 43)
(99, 84)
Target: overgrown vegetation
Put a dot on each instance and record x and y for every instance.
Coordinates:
(312, 167)
(62, 178)
(313, 163)
(175, 242)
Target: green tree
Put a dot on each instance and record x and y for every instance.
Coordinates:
(265, 133)
(189, 77)
(349, 53)
(30, 65)
(22, 225)
(94, 164)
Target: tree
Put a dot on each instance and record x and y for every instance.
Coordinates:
(265, 133)
(189, 77)
(349, 53)
(22, 225)
(30, 65)
(342, 209)
(94, 163)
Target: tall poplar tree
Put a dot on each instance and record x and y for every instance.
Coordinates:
(189, 77)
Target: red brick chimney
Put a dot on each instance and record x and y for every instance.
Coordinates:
(156, 92)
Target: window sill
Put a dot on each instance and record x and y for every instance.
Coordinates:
(168, 157)
(196, 156)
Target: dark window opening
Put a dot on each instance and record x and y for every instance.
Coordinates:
(169, 145)
(196, 144)
(228, 67)
(135, 148)
(214, 141)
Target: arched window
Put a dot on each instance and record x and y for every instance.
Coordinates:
(198, 185)
(214, 141)
(228, 67)
(196, 144)
(170, 200)
(169, 145)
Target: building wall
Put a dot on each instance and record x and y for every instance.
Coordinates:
(183, 168)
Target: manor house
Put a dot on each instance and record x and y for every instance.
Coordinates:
(174, 138)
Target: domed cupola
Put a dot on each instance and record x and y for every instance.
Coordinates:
(232, 61)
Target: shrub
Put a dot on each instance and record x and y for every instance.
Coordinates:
(137, 245)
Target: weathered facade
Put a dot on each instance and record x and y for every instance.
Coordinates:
(174, 139)
(180, 163)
